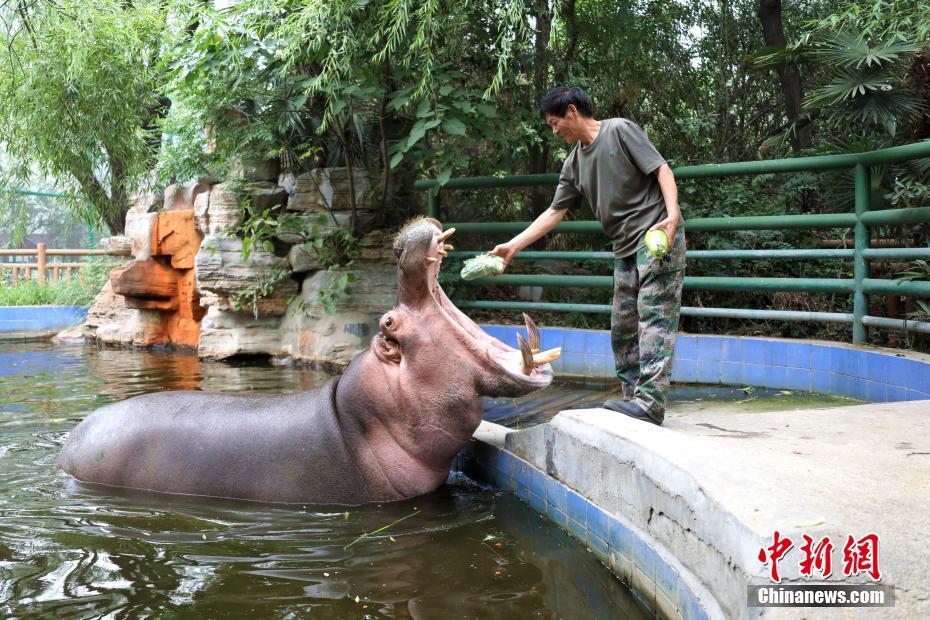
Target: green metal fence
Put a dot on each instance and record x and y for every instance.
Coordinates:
(860, 285)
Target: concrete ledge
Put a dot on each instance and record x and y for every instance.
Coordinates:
(867, 373)
(37, 322)
(680, 512)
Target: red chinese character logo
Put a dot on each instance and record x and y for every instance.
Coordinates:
(819, 557)
(779, 548)
(861, 556)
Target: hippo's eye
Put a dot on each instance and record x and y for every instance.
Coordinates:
(389, 322)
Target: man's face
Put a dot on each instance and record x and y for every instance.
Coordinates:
(564, 126)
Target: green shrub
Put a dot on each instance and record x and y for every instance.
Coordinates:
(79, 290)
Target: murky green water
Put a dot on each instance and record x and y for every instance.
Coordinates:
(540, 407)
(68, 551)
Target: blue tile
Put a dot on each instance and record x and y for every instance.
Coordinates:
(667, 580)
(578, 531)
(684, 370)
(577, 507)
(754, 374)
(708, 348)
(775, 377)
(538, 503)
(820, 357)
(897, 370)
(595, 365)
(537, 482)
(688, 604)
(621, 538)
(557, 516)
(573, 363)
(599, 547)
(731, 373)
(842, 385)
(876, 367)
(594, 342)
(556, 494)
(820, 381)
(598, 522)
(644, 558)
(573, 343)
(708, 371)
(731, 350)
(755, 351)
(876, 392)
(798, 355)
(686, 347)
(798, 379)
(918, 376)
(844, 362)
(896, 393)
(523, 492)
(915, 395)
(776, 353)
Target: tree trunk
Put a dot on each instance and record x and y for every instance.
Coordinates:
(773, 34)
(539, 153)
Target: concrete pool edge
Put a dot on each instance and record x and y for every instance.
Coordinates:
(38, 322)
(656, 577)
(864, 372)
(679, 513)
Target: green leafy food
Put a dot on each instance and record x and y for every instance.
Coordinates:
(482, 266)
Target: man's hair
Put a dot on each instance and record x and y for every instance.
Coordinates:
(557, 100)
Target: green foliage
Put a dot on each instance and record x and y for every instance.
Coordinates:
(80, 98)
(80, 290)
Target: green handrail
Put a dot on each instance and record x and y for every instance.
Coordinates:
(860, 285)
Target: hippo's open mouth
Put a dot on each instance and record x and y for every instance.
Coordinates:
(421, 246)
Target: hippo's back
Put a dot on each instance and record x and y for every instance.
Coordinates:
(277, 448)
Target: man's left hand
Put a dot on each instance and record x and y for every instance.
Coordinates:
(669, 225)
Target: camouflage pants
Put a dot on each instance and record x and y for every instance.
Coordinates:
(644, 321)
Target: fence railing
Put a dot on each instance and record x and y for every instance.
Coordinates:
(42, 267)
(861, 220)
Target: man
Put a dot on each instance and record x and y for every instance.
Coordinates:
(631, 190)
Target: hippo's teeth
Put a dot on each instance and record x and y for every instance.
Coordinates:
(527, 354)
(446, 235)
(547, 356)
(532, 333)
(443, 253)
(447, 247)
(430, 260)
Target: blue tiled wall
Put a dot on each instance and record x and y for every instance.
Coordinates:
(40, 318)
(618, 546)
(867, 374)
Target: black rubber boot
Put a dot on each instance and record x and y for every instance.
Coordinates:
(630, 409)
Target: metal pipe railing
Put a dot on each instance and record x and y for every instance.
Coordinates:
(859, 221)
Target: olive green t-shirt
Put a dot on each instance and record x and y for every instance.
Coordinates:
(615, 174)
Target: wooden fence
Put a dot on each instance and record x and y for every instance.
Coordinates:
(43, 267)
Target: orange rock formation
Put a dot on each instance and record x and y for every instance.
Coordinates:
(165, 282)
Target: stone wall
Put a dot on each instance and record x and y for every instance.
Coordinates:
(188, 269)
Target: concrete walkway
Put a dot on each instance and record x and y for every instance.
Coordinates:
(713, 485)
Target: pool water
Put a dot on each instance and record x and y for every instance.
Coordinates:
(67, 550)
(540, 407)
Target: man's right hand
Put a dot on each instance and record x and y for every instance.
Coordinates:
(505, 251)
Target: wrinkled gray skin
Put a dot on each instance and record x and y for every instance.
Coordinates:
(387, 429)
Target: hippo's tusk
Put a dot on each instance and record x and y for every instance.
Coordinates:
(527, 354)
(430, 260)
(446, 235)
(447, 247)
(443, 253)
(532, 333)
(547, 356)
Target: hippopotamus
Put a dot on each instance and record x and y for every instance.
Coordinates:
(387, 429)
